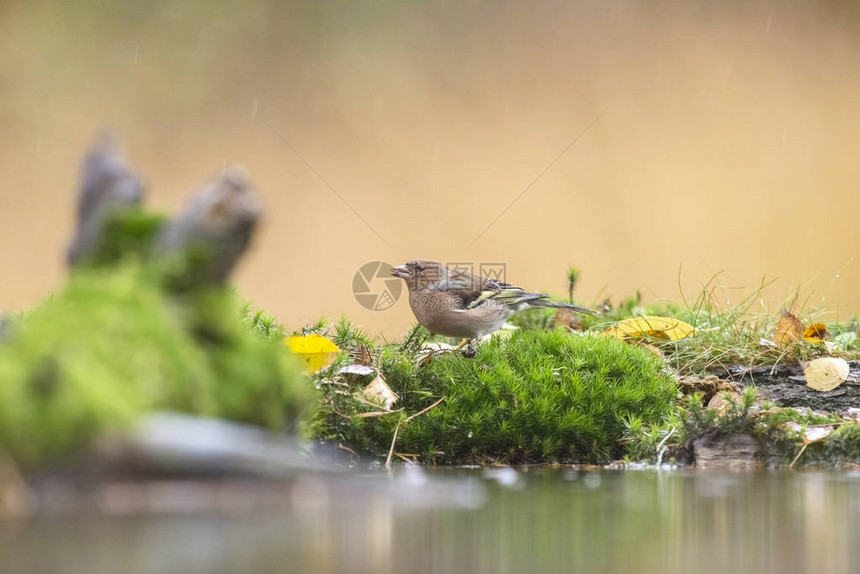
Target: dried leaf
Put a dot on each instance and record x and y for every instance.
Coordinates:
(430, 350)
(815, 333)
(315, 351)
(651, 326)
(379, 392)
(826, 373)
(650, 348)
(365, 357)
(788, 331)
(567, 319)
(721, 402)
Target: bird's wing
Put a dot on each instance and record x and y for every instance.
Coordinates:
(471, 290)
(505, 294)
(469, 297)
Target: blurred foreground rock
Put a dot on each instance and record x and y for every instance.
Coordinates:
(176, 444)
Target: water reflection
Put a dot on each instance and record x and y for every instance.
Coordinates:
(470, 520)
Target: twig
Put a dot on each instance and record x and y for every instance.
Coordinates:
(372, 404)
(391, 450)
(409, 418)
(800, 452)
(401, 423)
(377, 413)
(347, 449)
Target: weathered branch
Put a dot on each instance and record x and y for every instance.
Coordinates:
(107, 185)
(215, 228)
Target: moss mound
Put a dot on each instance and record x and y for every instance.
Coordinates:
(533, 397)
(114, 345)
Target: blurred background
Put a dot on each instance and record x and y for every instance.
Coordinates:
(711, 137)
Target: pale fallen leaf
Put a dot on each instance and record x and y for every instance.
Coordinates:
(379, 392)
(826, 373)
(816, 433)
(767, 343)
(811, 435)
(791, 426)
(359, 370)
(721, 402)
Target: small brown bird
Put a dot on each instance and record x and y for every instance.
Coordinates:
(456, 303)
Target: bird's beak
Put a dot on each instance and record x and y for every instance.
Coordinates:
(400, 271)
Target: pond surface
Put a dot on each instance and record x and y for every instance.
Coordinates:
(536, 519)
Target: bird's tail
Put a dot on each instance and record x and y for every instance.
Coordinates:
(559, 305)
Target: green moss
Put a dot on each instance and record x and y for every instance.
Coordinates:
(536, 396)
(113, 346)
(128, 233)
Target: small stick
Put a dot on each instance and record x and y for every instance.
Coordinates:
(346, 448)
(391, 450)
(397, 428)
(660, 449)
(800, 452)
(377, 413)
(409, 418)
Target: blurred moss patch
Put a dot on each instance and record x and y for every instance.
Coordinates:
(113, 345)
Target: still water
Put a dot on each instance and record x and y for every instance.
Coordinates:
(535, 519)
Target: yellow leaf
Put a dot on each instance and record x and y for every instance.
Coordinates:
(789, 330)
(826, 373)
(651, 326)
(315, 351)
(815, 333)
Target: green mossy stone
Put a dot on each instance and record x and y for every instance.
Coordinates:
(113, 346)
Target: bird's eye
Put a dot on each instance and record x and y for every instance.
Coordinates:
(419, 268)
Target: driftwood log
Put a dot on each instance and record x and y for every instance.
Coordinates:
(211, 233)
(219, 219)
(786, 385)
(107, 184)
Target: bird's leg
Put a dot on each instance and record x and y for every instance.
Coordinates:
(470, 350)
